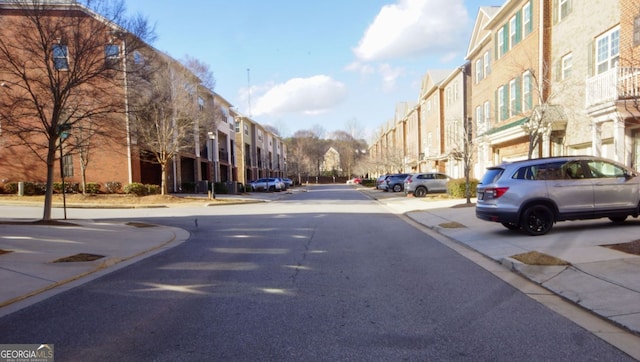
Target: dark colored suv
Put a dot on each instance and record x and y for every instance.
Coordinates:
(395, 182)
(534, 194)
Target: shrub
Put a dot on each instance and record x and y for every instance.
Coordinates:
(139, 189)
(456, 187)
(136, 188)
(30, 188)
(69, 187)
(92, 187)
(153, 189)
(113, 187)
(11, 188)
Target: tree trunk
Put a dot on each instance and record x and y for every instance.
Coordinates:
(48, 195)
(163, 185)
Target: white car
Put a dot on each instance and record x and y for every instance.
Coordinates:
(266, 184)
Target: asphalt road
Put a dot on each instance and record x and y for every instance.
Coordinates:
(326, 275)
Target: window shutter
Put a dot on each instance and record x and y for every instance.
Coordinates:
(505, 38)
(558, 70)
(518, 95)
(590, 58)
(518, 26)
(505, 101)
(497, 54)
(530, 24)
(497, 108)
(554, 11)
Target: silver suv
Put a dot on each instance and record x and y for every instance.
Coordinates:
(421, 184)
(534, 194)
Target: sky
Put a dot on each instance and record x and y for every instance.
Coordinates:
(329, 65)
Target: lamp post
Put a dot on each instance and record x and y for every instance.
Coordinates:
(63, 132)
(212, 138)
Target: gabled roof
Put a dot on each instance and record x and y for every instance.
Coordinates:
(432, 79)
(480, 32)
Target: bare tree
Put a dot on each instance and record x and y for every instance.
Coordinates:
(170, 110)
(461, 140)
(63, 66)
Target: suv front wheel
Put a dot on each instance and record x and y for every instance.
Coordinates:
(537, 220)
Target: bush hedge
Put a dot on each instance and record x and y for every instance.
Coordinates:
(456, 187)
(139, 189)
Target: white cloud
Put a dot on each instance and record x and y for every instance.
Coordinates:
(361, 68)
(413, 28)
(389, 75)
(313, 95)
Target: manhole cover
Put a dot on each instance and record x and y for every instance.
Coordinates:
(632, 247)
(79, 258)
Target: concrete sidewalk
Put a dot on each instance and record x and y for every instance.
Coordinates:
(600, 279)
(28, 253)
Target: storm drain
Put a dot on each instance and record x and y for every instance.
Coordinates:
(140, 224)
(538, 258)
(632, 247)
(79, 258)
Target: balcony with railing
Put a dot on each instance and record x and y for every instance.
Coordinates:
(616, 84)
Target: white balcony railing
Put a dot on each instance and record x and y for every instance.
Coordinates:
(615, 84)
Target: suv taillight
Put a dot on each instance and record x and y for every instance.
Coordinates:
(408, 180)
(495, 192)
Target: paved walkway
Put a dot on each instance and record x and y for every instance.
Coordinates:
(600, 279)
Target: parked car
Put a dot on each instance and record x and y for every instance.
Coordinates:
(283, 185)
(355, 180)
(421, 184)
(381, 183)
(395, 182)
(532, 195)
(266, 184)
(288, 182)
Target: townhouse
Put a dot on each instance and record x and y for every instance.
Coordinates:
(260, 152)
(213, 152)
(541, 78)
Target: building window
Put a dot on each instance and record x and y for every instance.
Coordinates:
(246, 130)
(607, 51)
(487, 112)
(502, 104)
(487, 64)
(564, 9)
(60, 57)
(200, 104)
(514, 106)
(501, 43)
(514, 31)
(455, 92)
(479, 69)
(567, 63)
(527, 19)
(111, 55)
(527, 96)
(138, 58)
(67, 165)
(479, 115)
